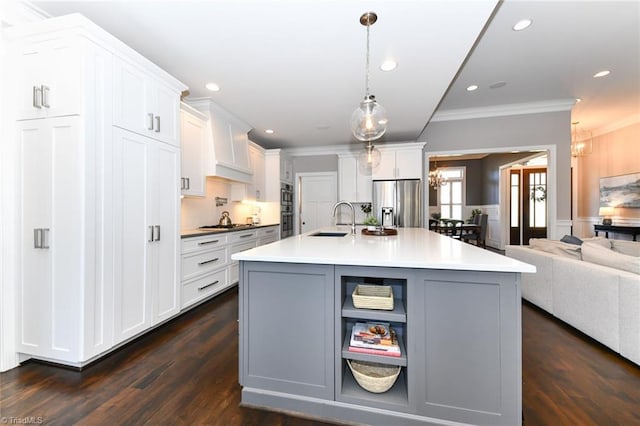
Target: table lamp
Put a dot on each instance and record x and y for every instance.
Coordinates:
(606, 212)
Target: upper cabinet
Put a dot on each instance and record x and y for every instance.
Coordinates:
(286, 168)
(192, 140)
(49, 81)
(255, 190)
(355, 182)
(399, 161)
(228, 145)
(143, 104)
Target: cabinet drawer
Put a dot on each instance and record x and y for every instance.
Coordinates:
(206, 242)
(203, 287)
(235, 237)
(202, 262)
(268, 232)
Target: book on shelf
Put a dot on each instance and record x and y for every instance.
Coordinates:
(374, 338)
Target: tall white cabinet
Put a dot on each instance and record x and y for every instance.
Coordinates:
(99, 190)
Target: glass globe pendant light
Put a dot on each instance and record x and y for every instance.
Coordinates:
(369, 120)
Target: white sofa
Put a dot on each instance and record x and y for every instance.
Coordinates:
(582, 286)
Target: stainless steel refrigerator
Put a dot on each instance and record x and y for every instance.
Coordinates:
(398, 202)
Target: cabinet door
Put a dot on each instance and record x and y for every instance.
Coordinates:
(131, 96)
(133, 154)
(409, 164)
(51, 261)
(143, 105)
(348, 178)
(49, 79)
(278, 305)
(364, 186)
(166, 215)
(257, 160)
(166, 110)
(192, 137)
(387, 167)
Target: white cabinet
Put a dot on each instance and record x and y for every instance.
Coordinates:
(88, 194)
(286, 168)
(50, 77)
(355, 184)
(192, 141)
(256, 157)
(62, 313)
(207, 267)
(143, 104)
(204, 268)
(402, 161)
(146, 232)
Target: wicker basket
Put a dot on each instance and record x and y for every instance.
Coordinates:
(373, 297)
(374, 377)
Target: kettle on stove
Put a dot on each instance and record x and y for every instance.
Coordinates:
(225, 220)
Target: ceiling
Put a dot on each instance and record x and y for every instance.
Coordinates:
(298, 66)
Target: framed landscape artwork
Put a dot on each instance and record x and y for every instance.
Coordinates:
(620, 191)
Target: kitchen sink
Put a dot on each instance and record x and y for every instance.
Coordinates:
(328, 234)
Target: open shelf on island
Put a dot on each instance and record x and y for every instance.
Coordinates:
(395, 397)
(382, 359)
(398, 314)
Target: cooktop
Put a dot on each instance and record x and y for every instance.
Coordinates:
(235, 225)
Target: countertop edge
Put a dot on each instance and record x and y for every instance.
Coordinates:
(191, 233)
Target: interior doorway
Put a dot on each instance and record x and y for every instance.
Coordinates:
(317, 193)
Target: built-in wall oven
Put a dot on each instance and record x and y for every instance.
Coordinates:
(286, 210)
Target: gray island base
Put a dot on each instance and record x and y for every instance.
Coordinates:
(459, 332)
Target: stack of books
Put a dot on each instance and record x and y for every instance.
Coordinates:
(374, 338)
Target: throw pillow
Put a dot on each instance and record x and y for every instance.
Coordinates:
(570, 239)
(595, 253)
(632, 248)
(602, 241)
(555, 247)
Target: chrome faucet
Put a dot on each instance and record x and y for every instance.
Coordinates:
(353, 214)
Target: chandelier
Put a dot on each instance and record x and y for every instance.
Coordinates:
(369, 120)
(436, 180)
(581, 141)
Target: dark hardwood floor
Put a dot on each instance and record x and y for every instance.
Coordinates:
(186, 373)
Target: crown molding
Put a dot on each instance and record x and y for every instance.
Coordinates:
(503, 110)
(620, 124)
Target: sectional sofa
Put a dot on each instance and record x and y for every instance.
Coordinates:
(593, 285)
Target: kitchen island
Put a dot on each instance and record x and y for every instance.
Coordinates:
(456, 313)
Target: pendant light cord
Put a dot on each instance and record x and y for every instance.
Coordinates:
(367, 64)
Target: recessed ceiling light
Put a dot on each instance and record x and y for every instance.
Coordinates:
(601, 73)
(213, 87)
(578, 100)
(498, 84)
(472, 88)
(269, 131)
(522, 24)
(388, 65)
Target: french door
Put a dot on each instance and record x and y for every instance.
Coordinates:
(528, 205)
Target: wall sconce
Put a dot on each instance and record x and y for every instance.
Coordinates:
(606, 212)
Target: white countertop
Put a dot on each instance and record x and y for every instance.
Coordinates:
(411, 248)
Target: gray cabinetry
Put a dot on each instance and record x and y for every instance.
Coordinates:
(458, 331)
(466, 326)
(286, 342)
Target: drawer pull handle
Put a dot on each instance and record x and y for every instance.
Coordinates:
(246, 235)
(202, 243)
(208, 285)
(209, 261)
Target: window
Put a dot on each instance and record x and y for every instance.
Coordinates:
(451, 194)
